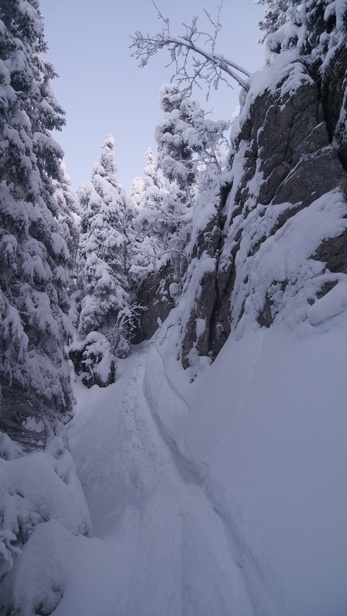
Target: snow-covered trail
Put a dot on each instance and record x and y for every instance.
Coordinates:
(164, 548)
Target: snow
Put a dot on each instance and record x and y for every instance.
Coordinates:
(169, 549)
(275, 449)
(286, 69)
(94, 358)
(223, 496)
(213, 491)
(42, 508)
(284, 265)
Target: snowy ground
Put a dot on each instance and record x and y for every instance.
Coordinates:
(165, 549)
(275, 446)
(225, 496)
(235, 507)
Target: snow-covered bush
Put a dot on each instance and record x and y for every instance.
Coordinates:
(40, 495)
(93, 360)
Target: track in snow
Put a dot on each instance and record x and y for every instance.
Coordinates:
(170, 551)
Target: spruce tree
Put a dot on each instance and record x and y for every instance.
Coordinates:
(136, 193)
(150, 220)
(317, 28)
(188, 145)
(103, 253)
(152, 177)
(176, 138)
(276, 14)
(69, 210)
(34, 374)
(324, 28)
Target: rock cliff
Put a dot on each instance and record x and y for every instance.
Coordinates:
(287, 170)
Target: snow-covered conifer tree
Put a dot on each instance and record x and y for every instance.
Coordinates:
(187, 140)
(149, 207)
(103, 253)
(150, 218)
(275, 15)
(136, 192)
(188, 145)
(151, 171)
(34, 374)
(314, 27)
(177, 138)
(324, 27)
(69, 209)
(177, 141)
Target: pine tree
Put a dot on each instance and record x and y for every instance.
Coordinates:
(147, 243)
(103, 253)
(188, 144)
(151, 172)
(136, 193)
(150, 205)
(324, 27)
(34, 374)
(69, 215)
(314, 27)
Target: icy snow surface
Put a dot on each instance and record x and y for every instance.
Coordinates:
(228, 496)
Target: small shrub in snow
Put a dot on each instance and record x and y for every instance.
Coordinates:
(93, 360)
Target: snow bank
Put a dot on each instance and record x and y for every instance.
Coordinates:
(270, 421)
(41, 499)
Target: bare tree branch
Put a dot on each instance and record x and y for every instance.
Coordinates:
(193, 63)
(217, 25)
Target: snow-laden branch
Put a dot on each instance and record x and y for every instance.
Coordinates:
(193, 63)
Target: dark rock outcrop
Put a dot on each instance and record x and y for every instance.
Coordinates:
(333, 252)
(287, 152)
(154, 301)
(333, 91)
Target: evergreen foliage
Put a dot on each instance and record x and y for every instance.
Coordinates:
(103, 253)
(69, 209)
(34, 328)
(149, 219)
(189, 156)
(317, 28)
(188, 141)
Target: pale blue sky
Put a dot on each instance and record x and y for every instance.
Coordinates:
(101, 87)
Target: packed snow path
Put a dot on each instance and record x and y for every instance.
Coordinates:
(166, 549)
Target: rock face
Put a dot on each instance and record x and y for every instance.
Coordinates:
(155, 300)
(289, 151)
(333, 92)
(287, 155)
